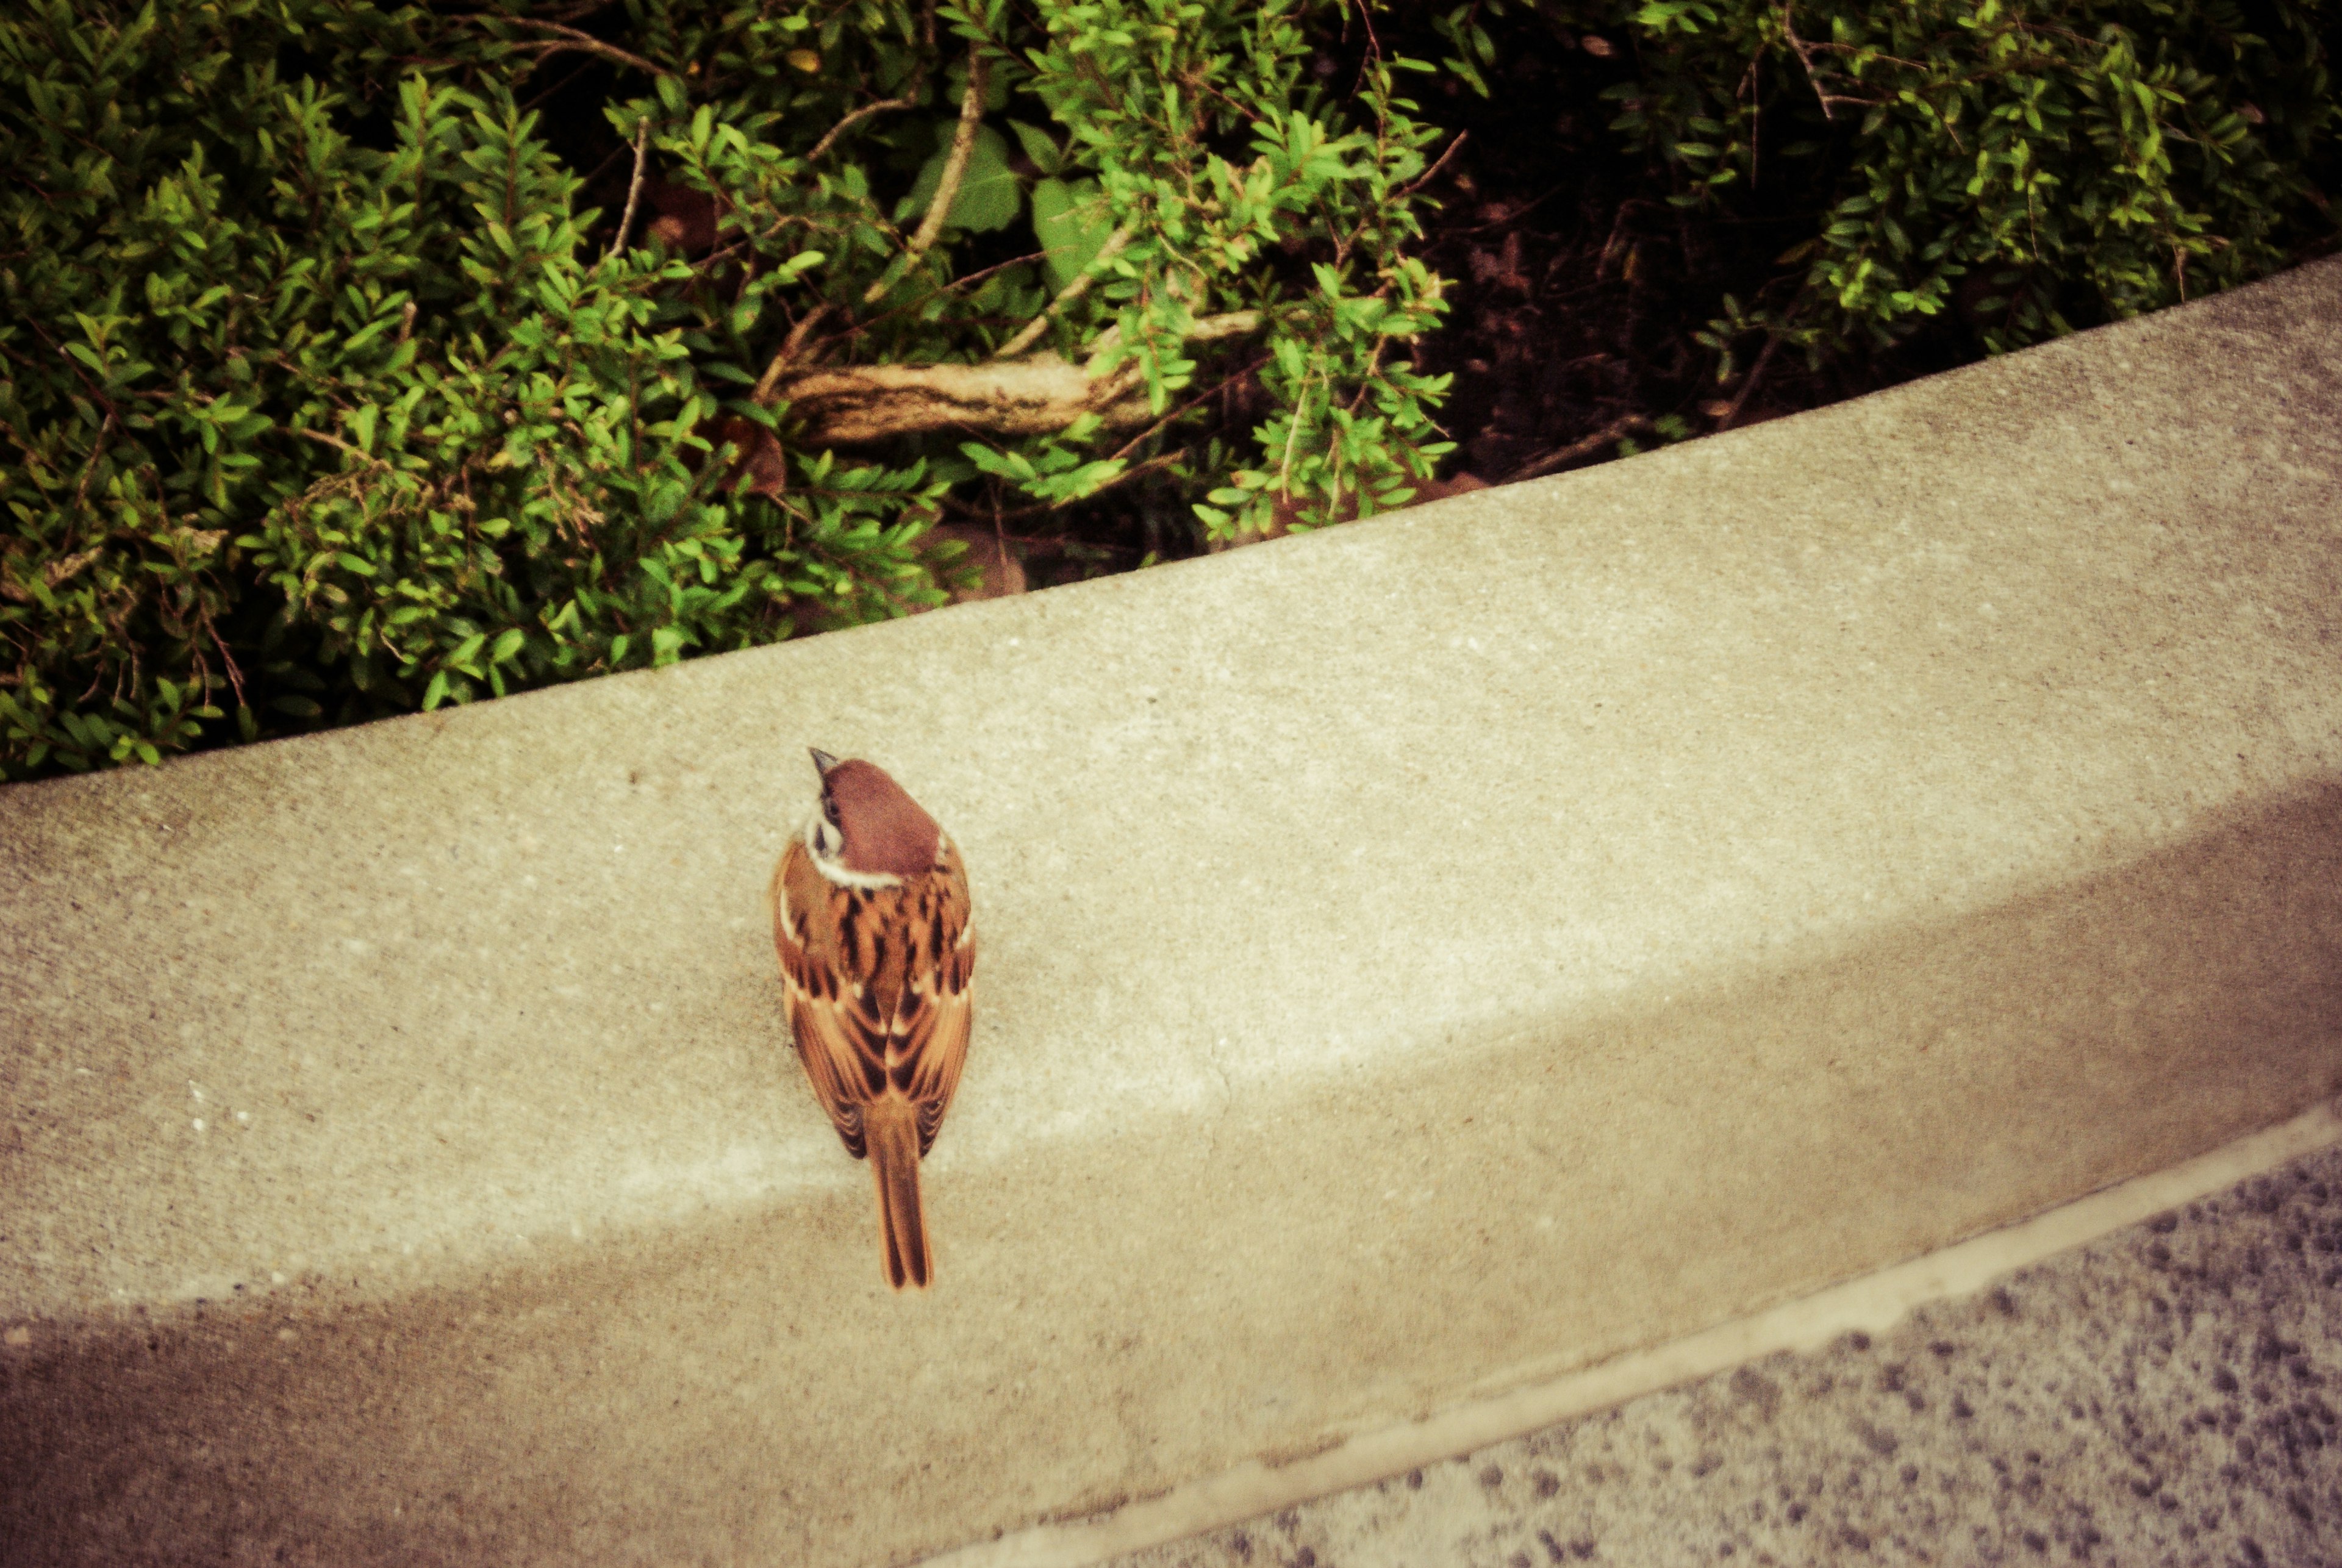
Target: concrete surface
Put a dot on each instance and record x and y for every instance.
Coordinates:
(1870, 1306)
(1419, 959)
(2162, 1398)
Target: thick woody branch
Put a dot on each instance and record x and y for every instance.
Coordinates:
(1038, 395)
(1203, 329)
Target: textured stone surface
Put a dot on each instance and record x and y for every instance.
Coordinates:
(1418, 958)
(2166, 1396)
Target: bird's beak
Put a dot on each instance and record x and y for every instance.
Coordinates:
(822, 760)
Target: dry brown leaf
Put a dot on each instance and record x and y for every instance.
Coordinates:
(760, 456)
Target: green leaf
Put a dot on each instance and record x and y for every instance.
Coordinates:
(989, 197)
(1039, 147)
(1072, 224)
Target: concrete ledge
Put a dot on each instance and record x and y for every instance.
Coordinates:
(1419, 959)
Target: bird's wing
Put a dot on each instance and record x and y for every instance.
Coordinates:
(931, 1026)
(843, 1048)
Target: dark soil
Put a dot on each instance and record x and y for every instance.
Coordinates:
(1578, 286)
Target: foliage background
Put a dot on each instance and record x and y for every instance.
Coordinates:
(327, 390)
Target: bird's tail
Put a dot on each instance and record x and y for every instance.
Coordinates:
(891, 1133)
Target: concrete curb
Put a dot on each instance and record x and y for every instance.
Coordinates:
(1420, 959)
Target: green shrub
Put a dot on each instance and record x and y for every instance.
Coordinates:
(326, 404)
(326, 395)
(2029, 164)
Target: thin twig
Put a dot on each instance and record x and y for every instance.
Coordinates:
(339, 444)
(585, 181)
(576, 40)
(957, 285)
(1066, 297)
(1806, 53)
(847, 124)
(1153, 465)
(1865, 52)
(1617, 429)
(1423, 178)
(96, 392)
(1218, 388)
(1292, 431)
(1512, 215)
(963, 148)
(96, 451)
(771, 379)
(234, 675)
(634, 188)
(964, 279)
(538, 102)
(1748, 382)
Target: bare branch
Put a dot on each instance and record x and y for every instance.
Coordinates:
(864, 113)
(1040, 394)
(234, 675)
(338, 445)
(770, 380)
(1066, 297)
(573, 38)
(1748, 382)
(962, 147)
(1203, 329)
(634, 189)
(1806, 53)
(1217, 389)
(96, 451)
(1617, 429)
(1423, 178)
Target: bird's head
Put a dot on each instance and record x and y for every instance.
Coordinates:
(867, 832)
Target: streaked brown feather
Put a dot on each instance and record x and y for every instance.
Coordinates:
(879, 986)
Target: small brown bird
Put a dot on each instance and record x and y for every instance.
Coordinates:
(870, 917)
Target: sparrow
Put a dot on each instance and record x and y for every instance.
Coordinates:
(877, 950)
